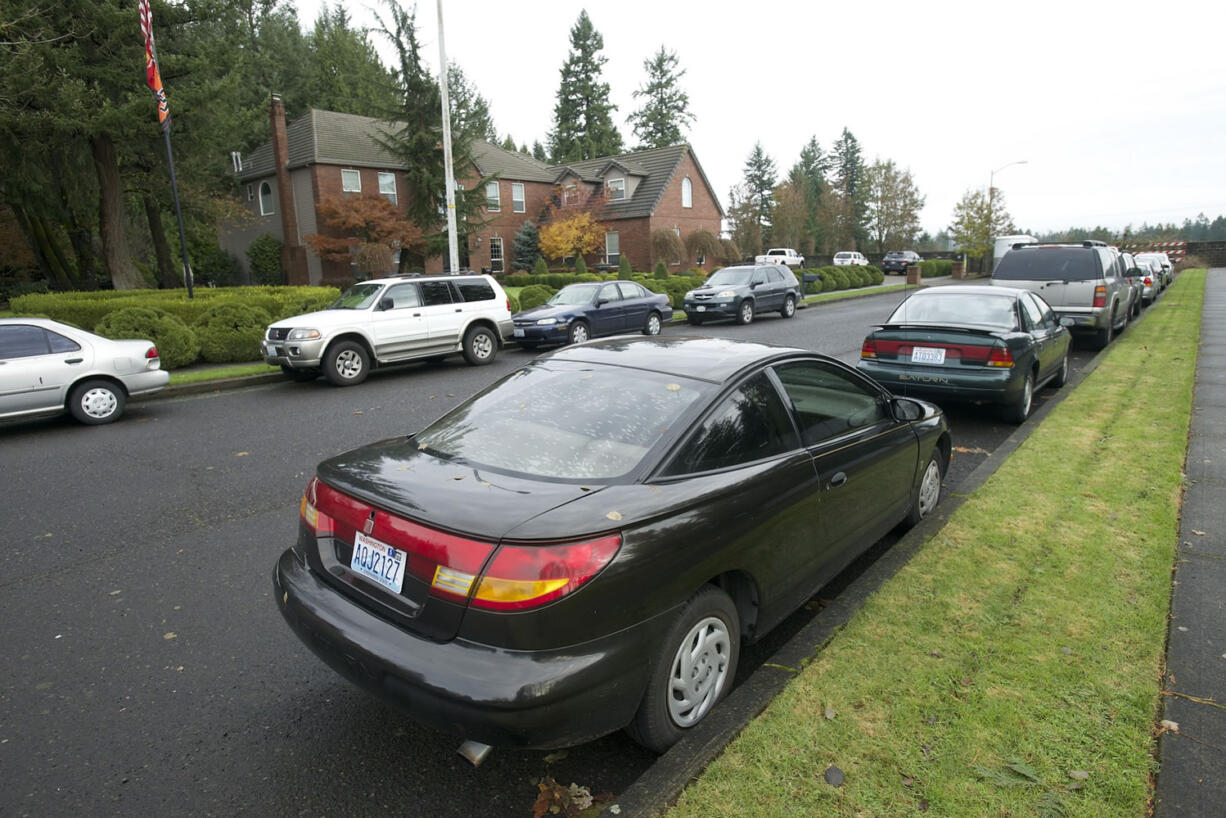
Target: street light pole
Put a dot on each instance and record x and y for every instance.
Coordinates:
(992, 197)
(453, 254)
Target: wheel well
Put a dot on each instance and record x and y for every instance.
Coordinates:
(743, 591)
(946, 446)
(488, 324)
(351, 336)
(96, 377)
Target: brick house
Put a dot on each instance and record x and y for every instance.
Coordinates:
(325, 154)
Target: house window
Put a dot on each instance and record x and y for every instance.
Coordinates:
(518, 204)
(387, 186)
(687, 193)
(617, 189)
(612, 248)
(251, 193)
(496, 254)
(266, 208)
(351, 181)
(493, 199)
(570, 193)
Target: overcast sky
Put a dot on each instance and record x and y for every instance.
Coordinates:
(1118, 108)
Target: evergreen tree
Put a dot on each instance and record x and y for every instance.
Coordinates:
(526, 248)
(508, 144)
(849, 185)
(759, 185)
(345, 73)
(470, 112)
(538, 151)
(583, 116)
(666, 109)
(809, 175)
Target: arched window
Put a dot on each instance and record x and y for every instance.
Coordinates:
(266, 208)
(687, 193)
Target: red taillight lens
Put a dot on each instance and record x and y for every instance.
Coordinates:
(1149, 282)
(309, 511)
(1000, 357)
(151, 353)
(1100, 295)
(869, 349)
(525, 576)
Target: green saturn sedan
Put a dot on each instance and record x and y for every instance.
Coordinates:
(965, 343)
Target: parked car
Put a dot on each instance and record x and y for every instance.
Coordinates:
(781, 255)
(1168, 270)
(392, 320)
(991, 344)
(741, 292)
(896, 261)
(578, 312)
(584, 545)
(1084, 282)
(849, 259)
(1151, 278)
(47, 367)
(1133, 274)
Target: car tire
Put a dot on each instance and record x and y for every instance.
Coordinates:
(480, 346)
(578, 332)
(96, 402)
(1061, 376)
(653, 324)
(928, 493)
(692, 670)
(789, 307)
(1103, 338)
(346, 363)
(1136, 307)
(696, 320)
(744, 312)
(299, 375)
(1018, 411)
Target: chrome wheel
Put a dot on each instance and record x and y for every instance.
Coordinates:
(483, 346)
(789, 307)
(653, 325)
(96, 402)
(745, 313)
(349, 364)
(930, 489)
(99, 403)
(699, 671)
(578, 333)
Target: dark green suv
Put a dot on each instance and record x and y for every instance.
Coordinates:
(742, 292)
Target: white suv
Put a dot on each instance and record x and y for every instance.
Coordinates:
(392, 320)
(849, 259)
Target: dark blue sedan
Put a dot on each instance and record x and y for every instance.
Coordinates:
(582, 311)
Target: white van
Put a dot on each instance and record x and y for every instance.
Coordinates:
(1004, 244)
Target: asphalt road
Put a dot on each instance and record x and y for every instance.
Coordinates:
(146, 669)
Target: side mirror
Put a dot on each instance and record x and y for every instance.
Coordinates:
(753, 285)
(1067, 321)
(600, 302)
(905, 409)
(387, 304)
(1135, 271)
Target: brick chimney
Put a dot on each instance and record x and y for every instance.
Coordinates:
(293, 254)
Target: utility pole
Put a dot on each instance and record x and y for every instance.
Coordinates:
(453, 244)
(991, 200)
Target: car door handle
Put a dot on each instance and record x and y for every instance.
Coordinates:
(838, 480)
(459, 309)
(417, 315)
(73, 360)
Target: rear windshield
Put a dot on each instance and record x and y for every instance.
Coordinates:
(564, 420)
(1048, 264)
(957, 308)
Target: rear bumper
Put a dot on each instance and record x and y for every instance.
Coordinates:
(146, 383)
(1002, 386)
(541, 699)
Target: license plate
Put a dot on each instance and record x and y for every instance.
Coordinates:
(519, 333)
(701, 308)
(378, 561)
(927, 355)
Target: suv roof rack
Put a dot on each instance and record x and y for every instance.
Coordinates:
(1093, 243)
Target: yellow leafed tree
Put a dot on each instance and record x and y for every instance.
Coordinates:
(577, 234)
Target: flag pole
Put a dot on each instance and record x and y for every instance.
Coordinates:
(174, 188)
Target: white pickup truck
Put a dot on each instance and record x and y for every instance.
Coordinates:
(781, 255)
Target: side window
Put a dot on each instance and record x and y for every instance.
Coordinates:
(759, 277)
(827, 401)
(1049, 316)
(748, 425)
(402, 296)
(434, 293)
(475, 290)
(1031, 314)
(609, 292)
(774, 275)
(61, 344)
(631, 290)
(22, 341)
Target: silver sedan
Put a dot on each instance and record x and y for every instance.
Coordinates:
(47, 367)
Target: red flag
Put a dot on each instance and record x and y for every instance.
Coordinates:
(152, 75)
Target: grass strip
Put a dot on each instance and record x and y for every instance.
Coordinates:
(1012, 666)
(840, 295)
(220, 373)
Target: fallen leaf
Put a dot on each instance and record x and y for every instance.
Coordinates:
(930, 720)
(241, 454)
(922, 805)
(614, 515)
(907, 782)
(936, 653)
(674, 387)
(830, 714)
(486, 484)
(357, 411)
(458, 477)
(1078, 775)
(833, 776)
(1198, 533)
(615, 809)
(558, 756)
(170, 635)
(116, 593)
(971, 450)
(1077, 785)
(1167, 724)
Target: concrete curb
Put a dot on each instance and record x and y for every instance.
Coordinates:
(661, 784)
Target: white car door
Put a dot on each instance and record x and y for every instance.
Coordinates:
(32, 377)
(398, 324)
(444, 313)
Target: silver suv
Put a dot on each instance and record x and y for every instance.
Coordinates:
(1085, 282)
(392, 320)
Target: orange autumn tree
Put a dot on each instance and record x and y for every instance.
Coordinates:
(572, 234)
(369, 224)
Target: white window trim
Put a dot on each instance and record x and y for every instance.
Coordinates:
(687, 192)
(609, 185)
(271, 207)
(493, 204)
(384, 175)
(606, 246)
(519, 205)
(502, 259)
(251, 193)
(355, 171)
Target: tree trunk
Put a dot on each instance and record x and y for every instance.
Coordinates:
(116, 256)
(167, 278)
(50, 262)
(87, 260)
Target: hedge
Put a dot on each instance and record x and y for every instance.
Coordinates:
(230, 332)
(936, 267)
(176, 342)
(555, 280)
(535, 295)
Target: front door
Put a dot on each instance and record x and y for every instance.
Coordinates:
(398, 322)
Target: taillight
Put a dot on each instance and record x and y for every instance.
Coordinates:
(1000, 357)
(1100, 295)
(869, 349)
(525, 576)
(1149, 282)
(508, 303)
(308, 510)
(151, 353)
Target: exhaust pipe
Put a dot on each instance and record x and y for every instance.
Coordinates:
(474, 752)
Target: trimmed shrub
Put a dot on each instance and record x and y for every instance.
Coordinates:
(176, 342)
(231, 331)
(936, 267)
(264, 255)
(661, 270)
(624, 269)
(875, 274)
(535, 295)
(541, 267)
(514, 303)
(580, 266)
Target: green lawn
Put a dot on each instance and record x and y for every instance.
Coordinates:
(219, 373)
(1012, 666)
